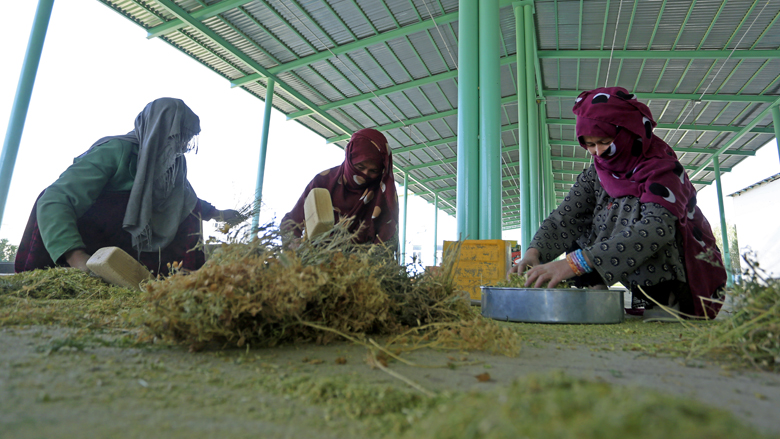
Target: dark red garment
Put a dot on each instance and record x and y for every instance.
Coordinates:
(373, 204)
(642, 165)
(101, 226)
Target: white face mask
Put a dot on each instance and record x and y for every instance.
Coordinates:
(611, 151)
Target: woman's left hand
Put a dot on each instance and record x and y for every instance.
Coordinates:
(554, 272)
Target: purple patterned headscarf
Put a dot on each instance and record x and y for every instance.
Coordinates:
(642, 165)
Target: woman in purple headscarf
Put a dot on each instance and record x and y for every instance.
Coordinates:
(631, 217)
(361, 188)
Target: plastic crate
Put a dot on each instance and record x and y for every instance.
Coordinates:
(480, 262)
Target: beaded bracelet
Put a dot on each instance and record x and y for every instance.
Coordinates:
(573, 265)
(581, 262)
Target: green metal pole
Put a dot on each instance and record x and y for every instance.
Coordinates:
(489, 121)
(436, 230)
(723, 231)
(468, 120)
(24, 88)
(403, 229)
(550, 196)
(269, 96)
(533, 119)
(776, 123)
(522, 122)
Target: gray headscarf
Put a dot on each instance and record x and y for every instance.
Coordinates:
(161, 197)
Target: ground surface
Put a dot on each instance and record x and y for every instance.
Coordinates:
(61, 382)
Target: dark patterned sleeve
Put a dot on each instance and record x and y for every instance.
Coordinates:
(569, 220)
(628, 248)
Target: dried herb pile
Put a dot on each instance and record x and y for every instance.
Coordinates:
(260, 293)
(752, 333)
(59, 283)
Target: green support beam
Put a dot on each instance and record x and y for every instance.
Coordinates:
(405, 218)
(421, 119)
(489, 116)
(24, 89)
(377, 93)
(659, 54)
(419, 146)
(435, 230)
(403, 124)
(776, 124)
(723, 230)
(468, 202)
(522, 119)
(269, 96)
(533, 119)
(200, 15)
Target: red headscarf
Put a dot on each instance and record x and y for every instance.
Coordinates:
(372, 203)
(642, 165)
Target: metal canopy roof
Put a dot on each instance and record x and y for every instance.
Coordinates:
(708, 69)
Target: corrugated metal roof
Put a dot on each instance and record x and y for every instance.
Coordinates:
(341, 65)
(755, 185)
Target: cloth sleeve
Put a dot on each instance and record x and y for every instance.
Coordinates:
(570, 220)
(75, 191)
(207, 210)
(629, 247)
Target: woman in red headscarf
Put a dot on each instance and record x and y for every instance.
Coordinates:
(631, 217)
(362, 188)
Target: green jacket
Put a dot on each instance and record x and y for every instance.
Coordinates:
(110, 167)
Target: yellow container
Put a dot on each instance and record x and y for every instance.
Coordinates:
(481, 262)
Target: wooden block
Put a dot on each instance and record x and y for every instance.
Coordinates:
(118, 268)
(318, 212)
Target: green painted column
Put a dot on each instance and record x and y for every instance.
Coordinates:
(269, 96)
(24, 89)
(468, 120)
(436, 230)
(776, 124)
(534, 186)
(406, 210)
(547, 164)
(724, 233)
(489, 121)
(522, 122)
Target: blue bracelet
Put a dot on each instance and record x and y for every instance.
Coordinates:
(582, 262)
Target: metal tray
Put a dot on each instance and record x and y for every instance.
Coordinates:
(551, 305)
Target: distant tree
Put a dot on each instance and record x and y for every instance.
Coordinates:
(733, 246)
(7, 251)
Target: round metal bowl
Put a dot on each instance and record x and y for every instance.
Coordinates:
(552, 305)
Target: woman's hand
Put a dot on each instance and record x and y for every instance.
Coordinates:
(530, 259)
(554, 272)
(78, 259)
(229, 216)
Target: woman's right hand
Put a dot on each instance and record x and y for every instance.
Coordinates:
(78, 259)
(530, 259)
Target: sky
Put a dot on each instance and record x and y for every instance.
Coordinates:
(98, 71)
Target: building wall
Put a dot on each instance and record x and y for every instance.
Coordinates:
(758, 224)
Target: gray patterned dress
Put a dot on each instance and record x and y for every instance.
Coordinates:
(627, 241)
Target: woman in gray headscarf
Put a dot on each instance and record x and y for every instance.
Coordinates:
(129, 191)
